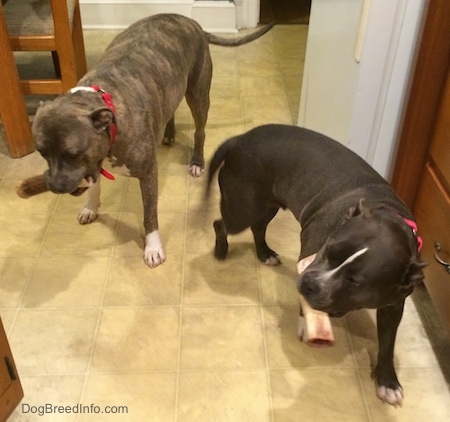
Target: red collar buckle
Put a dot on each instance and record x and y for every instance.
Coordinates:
(412, 224)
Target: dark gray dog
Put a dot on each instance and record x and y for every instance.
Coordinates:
(358, 236)
(133, 90)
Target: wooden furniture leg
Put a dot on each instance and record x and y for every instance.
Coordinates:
(13, 110)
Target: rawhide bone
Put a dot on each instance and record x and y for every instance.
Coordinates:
(314, 327)
(31, 186)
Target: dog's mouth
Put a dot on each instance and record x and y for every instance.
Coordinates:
(85, 184)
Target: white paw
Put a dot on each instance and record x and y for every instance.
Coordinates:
(154, 253)
(86, 216)
(196, 171)
(272, 261)
(390, 396)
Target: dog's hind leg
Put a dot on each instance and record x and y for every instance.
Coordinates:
(169, 133)
(197, 98)
(264, 253)
(221, 247)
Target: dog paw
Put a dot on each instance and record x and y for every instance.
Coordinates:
(390, 396)
(153, 254)
(168, 141)
(86, 216)
(196, 171)
(154, 258)
(272, 260)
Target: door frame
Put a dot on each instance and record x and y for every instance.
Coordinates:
(430, 73)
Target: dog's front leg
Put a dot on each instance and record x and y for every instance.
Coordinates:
(389, 389)
(154, 253)
(89, 211)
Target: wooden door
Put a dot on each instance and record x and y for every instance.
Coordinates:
(10, 389)
(422, 172)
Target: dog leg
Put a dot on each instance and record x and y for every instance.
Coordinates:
(169, 133)
(389, 389)
(197, 98)
(221, 247)
(153, 253)
(89, 211)
(264, 253)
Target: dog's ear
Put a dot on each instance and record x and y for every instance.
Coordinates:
(102, 118)
(359, 209)
(413, 276)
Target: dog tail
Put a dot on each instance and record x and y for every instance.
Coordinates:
(216, 161)
(233, 42)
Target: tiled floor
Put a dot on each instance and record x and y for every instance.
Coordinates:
(194, 339)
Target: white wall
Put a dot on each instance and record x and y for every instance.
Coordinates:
(357, 72)
(331, 73)
(214, 16)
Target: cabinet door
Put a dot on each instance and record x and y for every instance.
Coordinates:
(432, 210)
(10, 389)
(432, 213)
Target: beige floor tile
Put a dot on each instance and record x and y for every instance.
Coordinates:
(238, 396)
(261, 85)
(67, 281)
(23, 236)
(53, 341)
(137, 339)
(27, 166)
(7, 316)
(133, 396)
(209, 281)
(65, 236)
(12, 204)
(131, 283)
(278, 284)
(14, 276)
(255, 110)
(285, 350)
(44, 397)
(222, 337)
(322, 394)
(130, 235)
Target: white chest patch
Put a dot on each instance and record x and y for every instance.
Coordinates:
(109, 165)
(349, 260)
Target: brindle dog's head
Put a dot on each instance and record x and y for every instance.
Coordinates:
(71, 134)
(370, 261)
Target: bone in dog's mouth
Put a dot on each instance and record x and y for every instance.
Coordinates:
(84, 185)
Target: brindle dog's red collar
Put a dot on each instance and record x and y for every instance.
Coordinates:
(414, 229)
(112, 128)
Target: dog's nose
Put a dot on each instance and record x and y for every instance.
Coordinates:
(309, 286)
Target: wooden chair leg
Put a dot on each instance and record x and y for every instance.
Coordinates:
(13, 110)
(78, 42)
(56, 64)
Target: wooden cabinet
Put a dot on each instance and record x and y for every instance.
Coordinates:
(422, 169)
(10, 389)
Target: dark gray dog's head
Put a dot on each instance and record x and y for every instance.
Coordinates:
(370, 261)
(71, 134)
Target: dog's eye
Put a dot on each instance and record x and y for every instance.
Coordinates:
(71, 157)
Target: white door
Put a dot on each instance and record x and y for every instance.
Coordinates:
(358, 60)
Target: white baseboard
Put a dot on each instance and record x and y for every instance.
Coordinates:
(213, 16)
